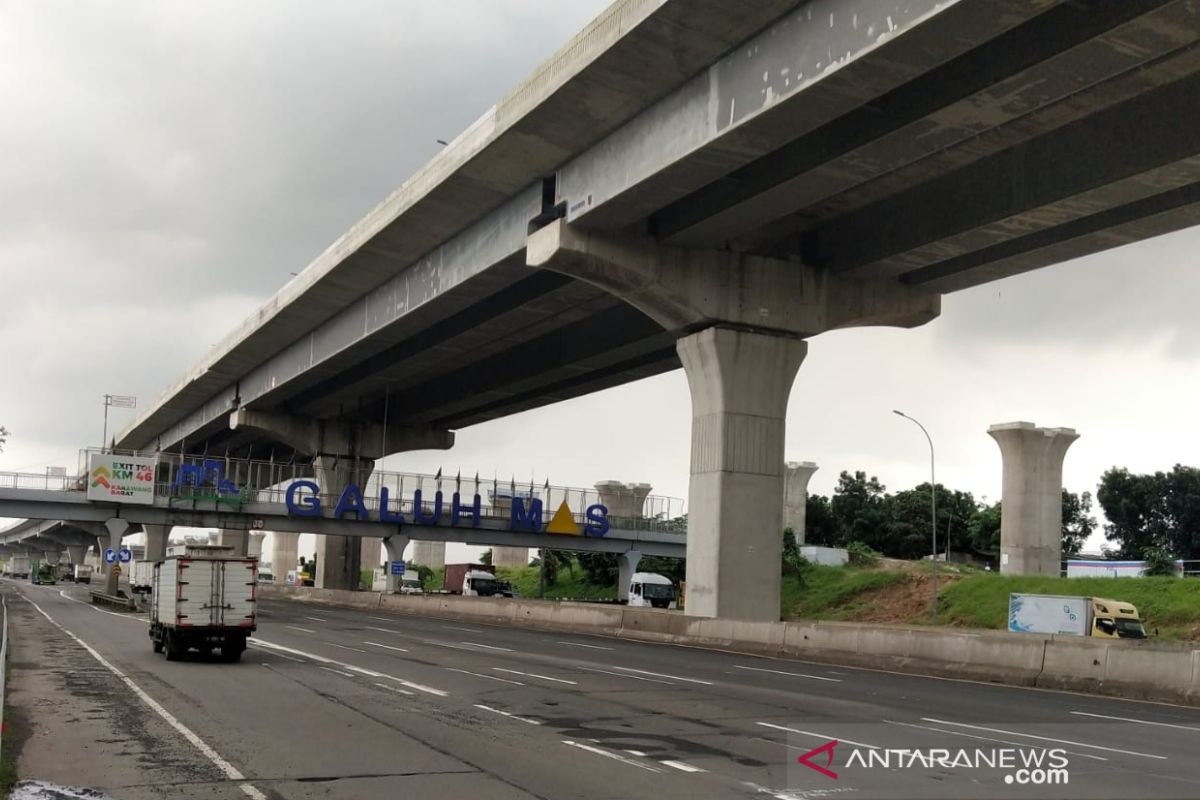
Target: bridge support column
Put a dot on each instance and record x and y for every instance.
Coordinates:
(394, 545)
(254, 549)
(796, 476)
(285, 554)
(76, 553)
(344, 451)
(238, 540)
(739, 384)
(624, 500)
(627, 564)
(156, 541)
(52, 557)
(430, 554)
(1031, 500)
(116, 529)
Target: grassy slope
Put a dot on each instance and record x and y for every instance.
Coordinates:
(830, 592)
(1170, 604)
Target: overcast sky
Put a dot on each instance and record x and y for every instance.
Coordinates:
(166, 166)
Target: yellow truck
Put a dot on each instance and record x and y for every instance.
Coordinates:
(1074, 616)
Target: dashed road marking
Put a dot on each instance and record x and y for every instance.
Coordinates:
(386, 647)
(608, 754)
(488, 646)
(1044, 738)
(661, 675)
(535, 675)
(394, 689)
(589, 646)
(481, 675)
(317, 619)
(344, 647)
(816, 735)
(382, 630)
(684, 767)
(298, 628)
(627, 677)
(1139, 721)
(986, 738)
(792, 674)
(459, 628)
(337, 672)
(508, 714)
(351, 667)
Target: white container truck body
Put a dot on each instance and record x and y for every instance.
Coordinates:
(82, 573)
(204, 599)
(1043, 613)
(141, 577)
(18, 566)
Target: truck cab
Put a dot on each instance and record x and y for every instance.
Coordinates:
(1115, 619)
(648, 589)
(477, 583)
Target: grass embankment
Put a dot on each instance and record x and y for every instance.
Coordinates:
(569, 583)
(1170, 604)
(977, 599)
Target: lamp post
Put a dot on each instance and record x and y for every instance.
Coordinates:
(932, 508)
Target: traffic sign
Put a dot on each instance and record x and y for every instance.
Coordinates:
(110, 556)
(397, 567)
(126, 555)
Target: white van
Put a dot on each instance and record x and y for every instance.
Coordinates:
(651, 589)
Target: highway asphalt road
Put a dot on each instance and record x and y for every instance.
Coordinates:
(339, 703)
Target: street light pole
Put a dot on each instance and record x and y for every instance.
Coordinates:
(932, 509)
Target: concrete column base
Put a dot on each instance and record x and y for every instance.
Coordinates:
(157, 537)
(796, 476)
(510, 556)
(739, 382)
(116, 528)
(627, 564)
(429, 554)
(1031, 499)
(371, 552)
(339, 558)
(238, 540)
(76, 553)
(394, 545)
(285, 556)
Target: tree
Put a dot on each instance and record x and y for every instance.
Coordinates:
(1077, 521)
(860, 511)
(600, 569)
(909, 518)
(820, 527)
(486, 556)
(673, 568)
(1182, 510)
(983, 529)
(4, 434)
(1134, 506)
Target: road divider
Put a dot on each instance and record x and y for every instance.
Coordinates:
(1143, 670)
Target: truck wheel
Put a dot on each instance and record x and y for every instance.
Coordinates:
(158, 645)
(174, 650)
(232, 649)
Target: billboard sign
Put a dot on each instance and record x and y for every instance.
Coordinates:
(121, 479)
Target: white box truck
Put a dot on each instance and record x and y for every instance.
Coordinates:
(81, 573)
(1074, 616)
(204, 598)
(141, 577)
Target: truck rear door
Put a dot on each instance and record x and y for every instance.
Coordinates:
(240, 595)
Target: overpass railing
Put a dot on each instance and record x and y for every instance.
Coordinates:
(207, 481)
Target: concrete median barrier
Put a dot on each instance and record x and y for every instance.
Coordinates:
(1142, 670)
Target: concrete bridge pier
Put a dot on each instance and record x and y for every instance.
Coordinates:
(394, 546)
(627, 564)
(157, 537)
(238, 540)
(433, 554)
(285, 553)
(740, 322)
(623, 500)
(796, 475)
(116, 528)
(343, 452)
(52, 557)
(1031, 499)
(76, 553)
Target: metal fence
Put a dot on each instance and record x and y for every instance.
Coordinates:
(3, 664)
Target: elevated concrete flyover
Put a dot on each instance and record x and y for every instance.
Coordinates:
(709, 184)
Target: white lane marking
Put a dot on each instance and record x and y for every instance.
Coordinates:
(458, 628)
(627, 677)
(351, 667)
(680, 765)
(394, 689)
(613, 756)
(816, 735)
(383, 619)
(317, 619)
(386, 647)
(508, 714)
(337, 672)
(481, 675)
(298, 628)
(488, 646)
(63, 594)
(1139, 721)
(212, 755)
(535, 675)
(661, 675)
(289, 658)
(987, 738)
(344, 647)
(447, 644)
(636, 753)
(793, 674)
(382, 630)
(1043, 738)
(589, 646)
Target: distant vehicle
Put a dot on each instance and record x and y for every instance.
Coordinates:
(266, 577)
(43, 573)
(470, 580)
(411, 586)
(1074, 616)
(651, 589)
(78, 573)
(203, 598)
(18, 566)
(141, 577)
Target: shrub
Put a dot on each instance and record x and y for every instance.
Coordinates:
(862, 555)
(1160, 562)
